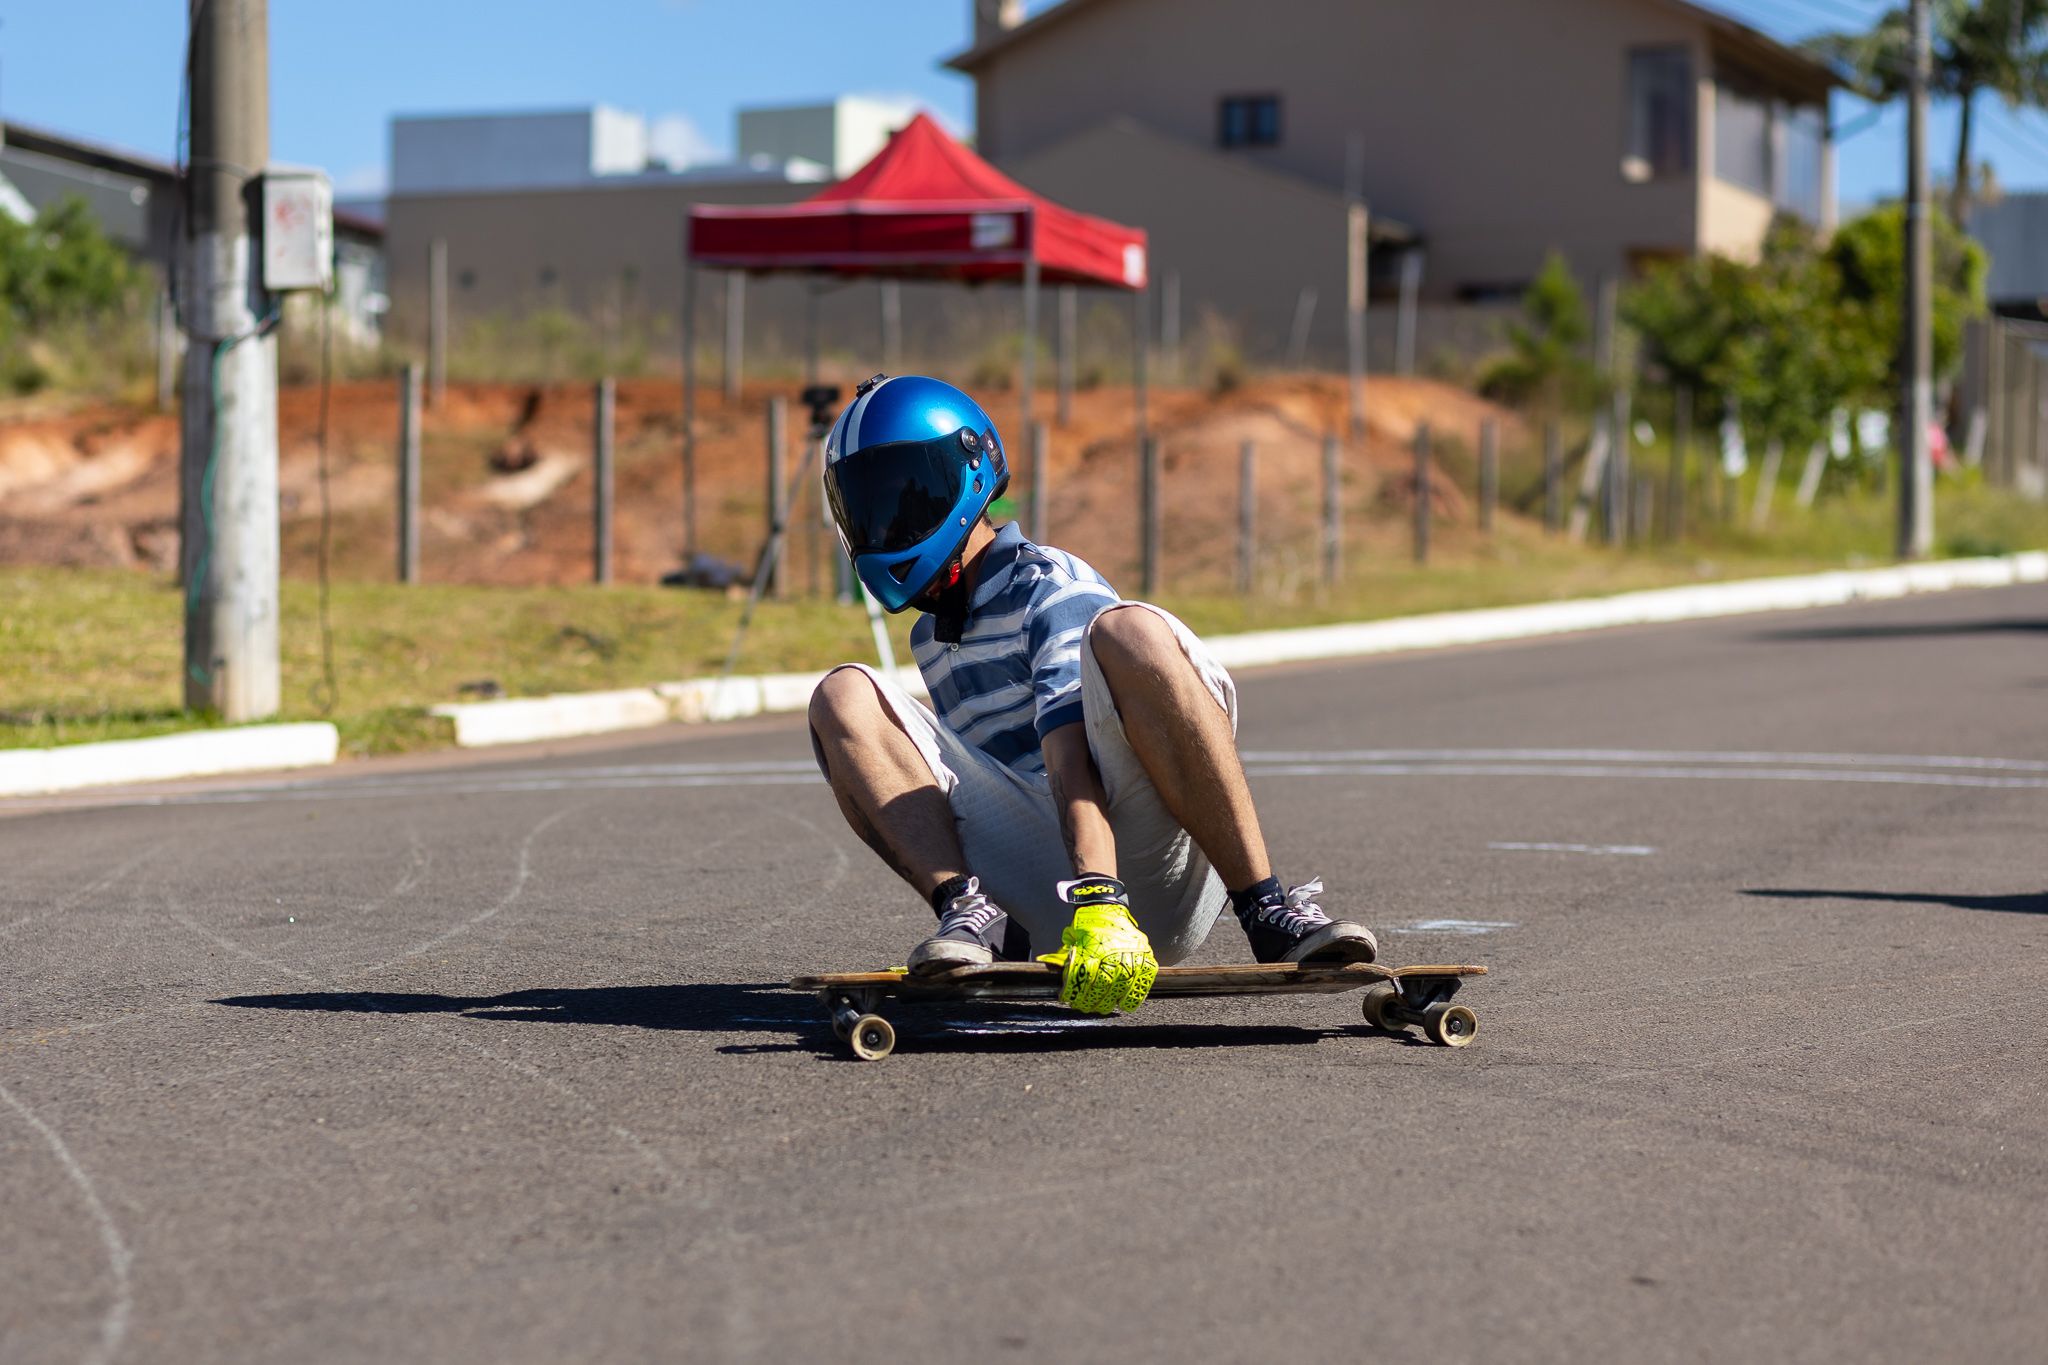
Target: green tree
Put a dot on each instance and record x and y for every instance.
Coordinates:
(1869, 255)
(1979, 45)
(58, 270)
(1546, 366)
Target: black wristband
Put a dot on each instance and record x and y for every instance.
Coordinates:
(1094, 891)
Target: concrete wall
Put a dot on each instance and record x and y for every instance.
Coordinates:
(1495, 127)
(1245, 240)
(583, 249)
(514, 151)
(2015, 233)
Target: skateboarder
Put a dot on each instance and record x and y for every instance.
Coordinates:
(1074, 788)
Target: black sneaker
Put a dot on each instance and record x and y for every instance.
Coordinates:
(973, 932)
(1291, 927)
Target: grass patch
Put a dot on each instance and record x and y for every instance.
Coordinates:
(94, 654)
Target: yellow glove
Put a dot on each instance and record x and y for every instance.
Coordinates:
(1107, 960)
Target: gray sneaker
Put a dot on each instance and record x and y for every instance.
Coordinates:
(1293, 928)
(973, 932)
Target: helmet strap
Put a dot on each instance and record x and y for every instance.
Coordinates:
(947, 599)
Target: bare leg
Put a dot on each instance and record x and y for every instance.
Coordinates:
(1183, 738)
(883, 786)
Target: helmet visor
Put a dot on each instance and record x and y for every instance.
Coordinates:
(888, 498)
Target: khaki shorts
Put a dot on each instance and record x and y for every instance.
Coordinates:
(1010, 832)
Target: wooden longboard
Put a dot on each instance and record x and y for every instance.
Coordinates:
(1041, 980)
(1395, 997)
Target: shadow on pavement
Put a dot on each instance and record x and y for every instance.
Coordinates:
(763, 1008)
(1911, 630)
(2025, 903)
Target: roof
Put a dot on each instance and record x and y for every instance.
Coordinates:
(82, 153)
(1762, 49)
(923, 207)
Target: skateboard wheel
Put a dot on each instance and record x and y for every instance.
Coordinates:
(1377, 998)
(873, 1039)
(1451, 1025)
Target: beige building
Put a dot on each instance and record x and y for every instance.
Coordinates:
(1615, 131)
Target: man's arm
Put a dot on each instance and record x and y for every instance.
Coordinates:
(1082, 804)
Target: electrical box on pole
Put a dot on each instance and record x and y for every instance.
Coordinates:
(298, 229)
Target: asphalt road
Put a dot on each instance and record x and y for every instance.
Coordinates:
(488, 1061)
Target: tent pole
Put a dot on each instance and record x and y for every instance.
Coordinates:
(689, 401)
(892, 326)
(735, 331)
(810, 332)
(1029, 370)
(1141, 342)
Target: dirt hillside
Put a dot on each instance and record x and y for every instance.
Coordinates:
(507, 488)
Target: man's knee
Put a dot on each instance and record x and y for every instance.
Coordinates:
(846, 702)
(1129, 638)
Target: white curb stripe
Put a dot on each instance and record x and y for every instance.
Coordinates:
(708, 699)
(1629, 609)
(198, 753)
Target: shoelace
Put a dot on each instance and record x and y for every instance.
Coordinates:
(969, 910)
(1297, 912)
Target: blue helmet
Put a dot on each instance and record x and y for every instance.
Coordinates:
(909, 468)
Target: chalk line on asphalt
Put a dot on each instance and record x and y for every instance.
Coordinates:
(114, 1323)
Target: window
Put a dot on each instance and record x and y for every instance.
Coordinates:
(1248, 121)
(1660, 103)
(1805, 141)
(1776, 149)
(1742, 138)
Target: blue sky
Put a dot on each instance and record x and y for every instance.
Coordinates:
(108, 69)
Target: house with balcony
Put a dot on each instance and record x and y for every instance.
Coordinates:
(1483, 134)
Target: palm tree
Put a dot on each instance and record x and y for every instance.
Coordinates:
(1979, 45)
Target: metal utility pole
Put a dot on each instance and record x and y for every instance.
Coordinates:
(1404, 327)
(1357, 258)
(606, 402)
(409, 474)
(1028, 359)
(1041, 480)
(1422, 492)
(1489, 471)
(437, 322)
(1553, 477)
(166, 351)
(1333, 509)
(228, 457)
(689, 403)
(1149, 496)
(1069, 328)
(1247, 516)
(778, 507)
(1681, 446)
(1916, 347)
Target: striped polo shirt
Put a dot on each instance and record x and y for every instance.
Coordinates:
(1015, 676)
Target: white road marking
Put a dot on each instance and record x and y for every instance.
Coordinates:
(1631, 850)
(519, 880)
(1467, 927)
(1883, 769)
(114, 1324)
(1921, 779)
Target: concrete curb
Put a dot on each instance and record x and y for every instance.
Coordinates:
(522, 720)
(1628, 609)
(199, 753)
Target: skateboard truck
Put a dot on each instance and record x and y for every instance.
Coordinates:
(1392, 1006)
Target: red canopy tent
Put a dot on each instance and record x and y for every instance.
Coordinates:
(925, 208)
